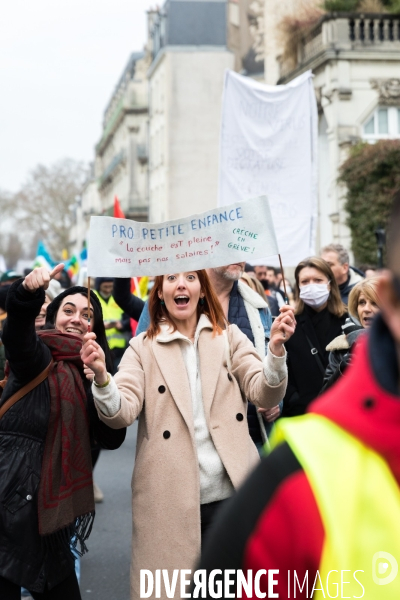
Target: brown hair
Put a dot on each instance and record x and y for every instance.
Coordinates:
(254, 284)
(335, 303)
(211, 308)
(368, 287)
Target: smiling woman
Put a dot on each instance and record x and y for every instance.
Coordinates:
(188, 377)
(46, 486)
(73, 315)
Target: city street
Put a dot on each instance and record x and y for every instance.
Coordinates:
(105, 569)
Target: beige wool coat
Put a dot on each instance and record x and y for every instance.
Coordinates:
(153, 383)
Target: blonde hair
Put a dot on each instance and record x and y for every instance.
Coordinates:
(254, 284)
(368, 287)
(335, 303)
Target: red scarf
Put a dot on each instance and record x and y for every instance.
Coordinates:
(66, 503)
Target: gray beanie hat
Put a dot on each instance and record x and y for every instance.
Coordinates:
(54, 289)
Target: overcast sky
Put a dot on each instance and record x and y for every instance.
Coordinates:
(59, 63)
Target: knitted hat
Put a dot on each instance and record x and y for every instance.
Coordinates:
(352, 329)
(10, 276)
(350, 326)
(54, 289)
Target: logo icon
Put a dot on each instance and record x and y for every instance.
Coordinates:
(381, 561)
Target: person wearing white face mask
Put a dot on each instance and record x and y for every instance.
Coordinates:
(320, 314)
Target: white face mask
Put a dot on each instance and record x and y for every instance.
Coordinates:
(315, 294)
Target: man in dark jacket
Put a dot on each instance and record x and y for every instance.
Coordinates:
(321, 518)
(346, 277)
(238, 302)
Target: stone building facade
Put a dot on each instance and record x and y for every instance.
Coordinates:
(355, 60)
(189, 57)
(121, 164)
(191, 43)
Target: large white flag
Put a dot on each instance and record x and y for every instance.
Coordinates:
(125, 248)
(268, 146)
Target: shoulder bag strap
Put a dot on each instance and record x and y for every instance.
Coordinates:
(314, 352)
(24, 390)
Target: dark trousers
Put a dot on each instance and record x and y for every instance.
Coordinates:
(207, 517)
(66, 590)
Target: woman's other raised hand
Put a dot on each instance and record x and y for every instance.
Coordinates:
(282, 330)
(93, 358)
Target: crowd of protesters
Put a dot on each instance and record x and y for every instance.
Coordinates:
(209, 362)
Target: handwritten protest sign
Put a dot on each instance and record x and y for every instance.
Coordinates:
(124, 248)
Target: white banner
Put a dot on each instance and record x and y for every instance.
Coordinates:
(124, 248)
(268, 146)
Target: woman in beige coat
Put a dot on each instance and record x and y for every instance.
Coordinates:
(188, 377)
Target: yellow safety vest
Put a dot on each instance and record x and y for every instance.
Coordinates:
(112, 312)
(359, 502)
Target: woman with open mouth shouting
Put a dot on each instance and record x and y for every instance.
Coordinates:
(48, 424)
(189, 378)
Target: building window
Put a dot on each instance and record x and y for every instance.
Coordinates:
(384, 123)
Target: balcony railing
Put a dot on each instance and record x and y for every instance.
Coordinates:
(346, 31)
(108, 172)
(385, 28)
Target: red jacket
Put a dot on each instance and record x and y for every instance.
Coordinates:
(273, 522)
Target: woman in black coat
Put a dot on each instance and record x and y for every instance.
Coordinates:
(320, 314)
(46, 487)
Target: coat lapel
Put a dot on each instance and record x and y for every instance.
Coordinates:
(210, 365)
(170, 362)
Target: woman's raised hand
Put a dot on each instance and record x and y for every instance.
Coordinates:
(93, 358)
(282, 330)
(40, 278)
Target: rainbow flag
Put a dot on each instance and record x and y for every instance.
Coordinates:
(72, 267)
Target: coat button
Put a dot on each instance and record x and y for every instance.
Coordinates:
(29, 497)
(369, 403)
(229, 377)
(161, 389)
(239, 417)
(166, 435)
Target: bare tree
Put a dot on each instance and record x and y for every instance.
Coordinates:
(6, 206)
(8, 246)
(45, 203)
(11, 248)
